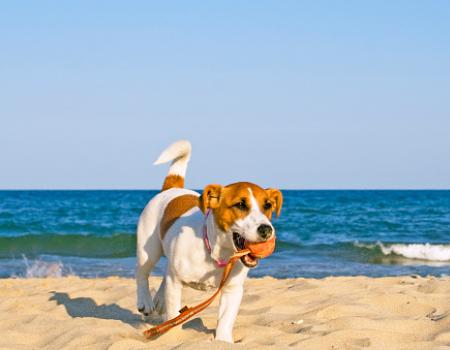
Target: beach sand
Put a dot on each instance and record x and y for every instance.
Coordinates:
(332, 313)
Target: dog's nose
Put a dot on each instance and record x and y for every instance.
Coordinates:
(265, 231)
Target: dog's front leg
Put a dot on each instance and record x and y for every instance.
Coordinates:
(172, 295)
(230, 301)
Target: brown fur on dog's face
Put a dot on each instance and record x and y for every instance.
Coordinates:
(233, 202)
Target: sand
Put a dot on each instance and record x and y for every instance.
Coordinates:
(332, 313)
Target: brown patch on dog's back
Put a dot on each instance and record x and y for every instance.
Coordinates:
(173, 181)
(176, 207)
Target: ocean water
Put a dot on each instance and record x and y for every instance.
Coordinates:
(320, 233)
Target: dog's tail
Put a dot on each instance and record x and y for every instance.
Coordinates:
(179, 153)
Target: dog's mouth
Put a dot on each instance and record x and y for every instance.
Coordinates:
(239, 244)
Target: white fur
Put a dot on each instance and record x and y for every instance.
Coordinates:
(188, 260)
(179, 153)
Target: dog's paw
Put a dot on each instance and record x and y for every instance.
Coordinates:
(146, 308)
(145, 304)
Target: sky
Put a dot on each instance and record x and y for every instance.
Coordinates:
(286, 94)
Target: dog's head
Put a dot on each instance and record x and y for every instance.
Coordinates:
(244, 211)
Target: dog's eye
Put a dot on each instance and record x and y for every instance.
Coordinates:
(241, 205)
(267, 206)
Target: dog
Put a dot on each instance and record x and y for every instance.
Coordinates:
(198, 233)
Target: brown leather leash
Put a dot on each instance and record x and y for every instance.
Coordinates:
(187, 312)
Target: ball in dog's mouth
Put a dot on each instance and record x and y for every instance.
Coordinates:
(239, 243)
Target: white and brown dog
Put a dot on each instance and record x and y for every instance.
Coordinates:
(198, 234)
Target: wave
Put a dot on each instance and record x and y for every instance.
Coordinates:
(123, 245)
(42, 269)
(91, 246)
(419, 251)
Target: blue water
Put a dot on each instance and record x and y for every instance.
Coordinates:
(320, 233)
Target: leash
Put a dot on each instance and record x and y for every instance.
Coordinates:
(187, 312)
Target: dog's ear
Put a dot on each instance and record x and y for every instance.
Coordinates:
(276, 197)
(210, 197)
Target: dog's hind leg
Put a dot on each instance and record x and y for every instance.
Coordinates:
(160, 306)
(148, 254)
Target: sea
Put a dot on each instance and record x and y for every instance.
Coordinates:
(320, 233)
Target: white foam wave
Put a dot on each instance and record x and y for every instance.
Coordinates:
(42, 269)
(426, 251)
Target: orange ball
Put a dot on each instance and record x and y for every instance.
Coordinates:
(261, 249)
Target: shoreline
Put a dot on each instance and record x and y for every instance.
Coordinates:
(355, 312)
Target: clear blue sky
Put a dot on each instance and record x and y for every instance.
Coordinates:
(289, 94)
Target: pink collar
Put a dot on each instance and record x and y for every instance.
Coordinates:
(220, 262)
